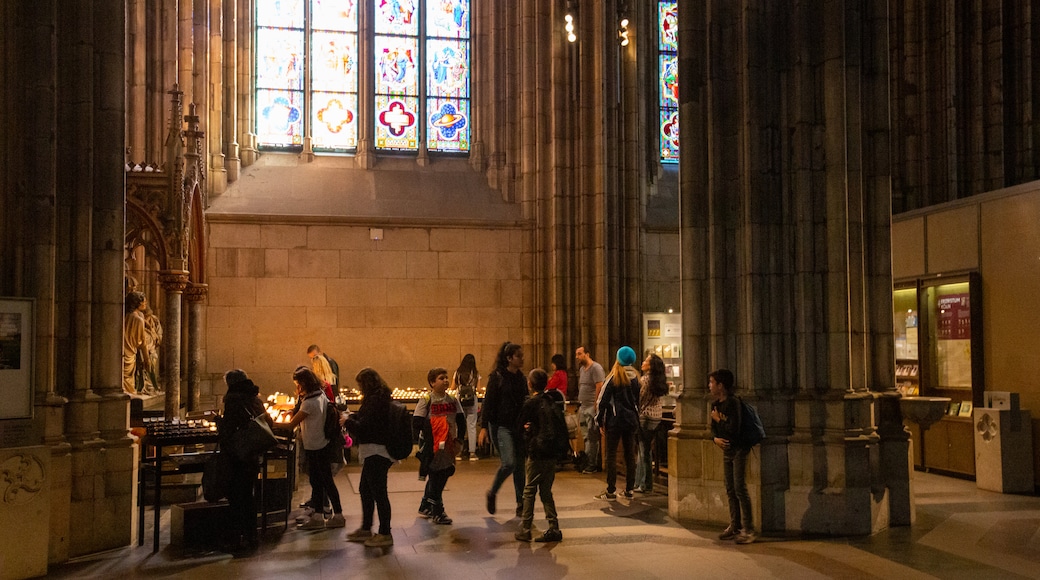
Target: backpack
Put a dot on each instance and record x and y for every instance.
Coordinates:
(467, 392)
(333, 432)
(552, 440)
(751, 430)
(400, 444)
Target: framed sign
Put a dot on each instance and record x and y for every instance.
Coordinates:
(16, 368)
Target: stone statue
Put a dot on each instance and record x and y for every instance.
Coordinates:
(136, 355)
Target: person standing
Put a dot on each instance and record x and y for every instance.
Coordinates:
(558, 380)
(619, 420)
(725, 431)
(465, 383)
(506, 393)
(652, 386)
(241, 403)
(544, 435)
(311, 420)
(590, 383)
(315, 351)
(370, 428)
(440, 417)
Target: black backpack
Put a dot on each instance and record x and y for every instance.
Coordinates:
(333, 431)
(400, 444)
(552, 439)
(751, 430)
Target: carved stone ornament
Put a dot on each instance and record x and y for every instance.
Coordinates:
(21, 478)
(196, 292)
(174, 280)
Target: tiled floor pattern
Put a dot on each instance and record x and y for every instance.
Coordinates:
(961, 532)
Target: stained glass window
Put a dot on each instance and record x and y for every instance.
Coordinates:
(447, 75)
(668, 59)
(420, 55)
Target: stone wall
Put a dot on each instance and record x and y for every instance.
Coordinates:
(418, 298)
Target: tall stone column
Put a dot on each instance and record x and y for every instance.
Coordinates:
(785, 197)
(232, 162)
(173, 282)
(217, 178)
(195, 294)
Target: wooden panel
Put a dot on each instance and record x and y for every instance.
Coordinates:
(962, 445)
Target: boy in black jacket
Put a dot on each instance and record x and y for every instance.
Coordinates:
(544, 433)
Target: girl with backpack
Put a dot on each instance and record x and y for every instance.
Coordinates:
(465, 383)
(619, 420)
(311, 419)
(370, 428)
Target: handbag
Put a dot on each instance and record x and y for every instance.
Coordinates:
(216, 475)
(251, 440)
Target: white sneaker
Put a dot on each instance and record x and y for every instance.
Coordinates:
(317, 522)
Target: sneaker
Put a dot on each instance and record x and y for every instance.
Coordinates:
(523, 536)
(550, 535)
(642, 489)
(425, 513)
(519, 511)
(589, 470)
(306, 515)
(627, 493)
(729, 533)
(491, 503)
(474, 458)
(442, 519)
(380, 541)
(746, 537)
(317, 522)
(336, 521)
(359, 535)
(606, 495)
(422, 478)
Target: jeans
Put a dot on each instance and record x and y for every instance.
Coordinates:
(434, 496)
(471, 428)
(645, 462)
(510, 455)
(627, 439)
(590, 430)
(540, 476)
(320, 472)
(734, 462)
(373, 492)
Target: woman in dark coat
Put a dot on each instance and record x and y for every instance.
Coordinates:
(241, 403)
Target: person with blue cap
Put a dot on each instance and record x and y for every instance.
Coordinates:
(619, 419)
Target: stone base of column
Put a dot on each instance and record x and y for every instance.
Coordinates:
(25, 511)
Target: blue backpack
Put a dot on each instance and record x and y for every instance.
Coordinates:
(751, 430)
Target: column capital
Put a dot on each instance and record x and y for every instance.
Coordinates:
(173, 280)
(196, 292)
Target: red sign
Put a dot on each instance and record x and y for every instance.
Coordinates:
(954, 317)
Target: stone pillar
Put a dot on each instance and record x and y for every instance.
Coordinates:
(365, 156)
(174, 282)
(195, 294)
(217, 178)
(137, 114)
(186, 49)
(783, 224)
(232, 162)
(245, 96)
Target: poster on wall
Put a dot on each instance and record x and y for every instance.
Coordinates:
(953, 344)
(16, 324)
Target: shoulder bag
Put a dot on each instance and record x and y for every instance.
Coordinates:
(252, 440)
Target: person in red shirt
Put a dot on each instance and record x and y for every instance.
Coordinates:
(558, 380)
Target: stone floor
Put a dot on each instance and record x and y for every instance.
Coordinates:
(961, 532)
